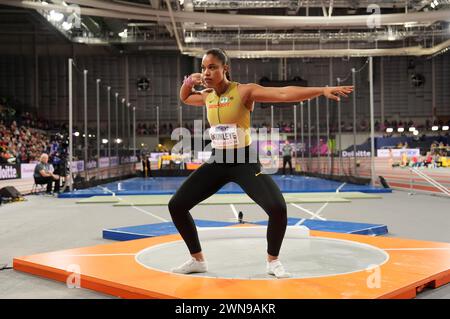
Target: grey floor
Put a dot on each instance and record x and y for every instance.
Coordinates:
(44, 224)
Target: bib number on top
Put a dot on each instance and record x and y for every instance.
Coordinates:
(224, 135)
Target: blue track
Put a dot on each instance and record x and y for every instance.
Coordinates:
(168, 185)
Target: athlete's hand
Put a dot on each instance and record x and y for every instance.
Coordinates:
(197, 79)
(335, 92)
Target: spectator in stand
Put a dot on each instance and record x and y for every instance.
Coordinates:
(404, 161)
(428, 160)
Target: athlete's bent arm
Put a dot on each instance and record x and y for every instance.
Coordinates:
(260, 93)
(189, 96)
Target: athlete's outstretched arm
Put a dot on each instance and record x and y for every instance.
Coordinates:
(260, 93)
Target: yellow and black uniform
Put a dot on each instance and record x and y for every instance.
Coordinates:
(227, 111)
(232, 160)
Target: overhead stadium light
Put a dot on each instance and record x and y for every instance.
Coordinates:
(445, 128)
(435, 128)
(124, 34)
(389, 130)
(401, 129)
(56, 16)
(66, 26)
(391, 35)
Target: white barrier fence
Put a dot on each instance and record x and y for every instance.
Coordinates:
(108, 168)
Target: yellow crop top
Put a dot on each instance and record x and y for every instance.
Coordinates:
(229, 109)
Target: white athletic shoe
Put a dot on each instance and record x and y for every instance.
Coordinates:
(276, 269)
(191, 266)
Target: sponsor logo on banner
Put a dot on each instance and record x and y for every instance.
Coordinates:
(114, 161)
(9, 171)
(397, 152)
(91, 164)
(77, 166)
(129, 159)
(27, 170)
(104, 162)
(358, 154)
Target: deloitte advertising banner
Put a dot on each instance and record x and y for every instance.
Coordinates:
(358, 154)
(9, 171)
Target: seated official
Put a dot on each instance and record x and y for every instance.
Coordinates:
(43, 175)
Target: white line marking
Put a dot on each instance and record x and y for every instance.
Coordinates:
(308, 211)
(300, 222)
(440, 248)
(123, 232)
(322, 208)
(106, 189)
(148, 213)
(142, 210)
(368, 228)
(340, 187)
(98, 255)
(234, 211)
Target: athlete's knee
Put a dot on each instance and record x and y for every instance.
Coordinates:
(175, 205)
(282, 208)
(278, 211)
(283, 213)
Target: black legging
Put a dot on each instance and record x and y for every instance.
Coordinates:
(287, 160)
(209, 178)
(48, 180)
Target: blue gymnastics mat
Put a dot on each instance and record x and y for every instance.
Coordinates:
(338, 226)
(153, 230)
(168, 228)
(169, 185)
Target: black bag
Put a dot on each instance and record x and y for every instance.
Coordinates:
(10, 192)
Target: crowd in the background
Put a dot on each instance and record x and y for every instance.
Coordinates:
(23, 137)
(21, 143)
(166, 128)
(440, 149)
(436, 148)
